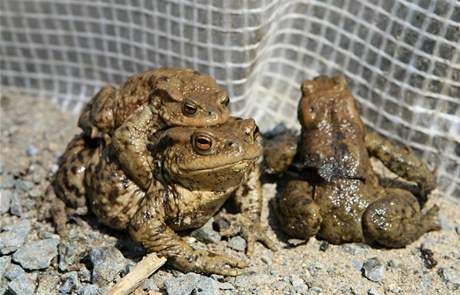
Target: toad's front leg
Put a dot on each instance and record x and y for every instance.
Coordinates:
(148, 228)
(403, 162)
(249, 199)
(130, 144)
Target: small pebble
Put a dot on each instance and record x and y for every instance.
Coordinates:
(251, 280)
(357, 264)
(354, 248)
(273, 271)
(21, 285)
(150, 285)
(206, 233)
(457, 229)
(373, 291)
(24, 185)
(15, 205)
(373, 270)
(394, 289)
(316, 290)
(4, 264)
(70, 253)
(393, 263)
(237, 243)
(323, 246)
(191, 283)
(5, 200)
(53, 168)
(296, 242)
(428, 257)
(84, 274)
(31, 150)
(225, 286)
(107, 263)
(221, 224)
(48, 283)
(89, 290)
(217, 277)
(298, 284)
(13, 236)
(14, 271)
(449, 275)
(70, 284)
(8, 182)
(35, 193)
(314, 268)
(37, 254)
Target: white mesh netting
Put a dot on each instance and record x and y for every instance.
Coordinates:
(402, 57)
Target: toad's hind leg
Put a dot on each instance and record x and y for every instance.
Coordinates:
(68, 182)
(395, 220)
(297, 212)
(403, 162)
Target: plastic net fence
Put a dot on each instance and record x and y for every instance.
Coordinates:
(402, 57)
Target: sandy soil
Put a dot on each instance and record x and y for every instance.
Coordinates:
(33, 135)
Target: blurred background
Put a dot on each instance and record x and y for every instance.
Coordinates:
(401, 58)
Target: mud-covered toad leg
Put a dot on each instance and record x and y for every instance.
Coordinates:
(279, 151)
(249, 200)
(148, 227)
(299, 215)
(130, 144)
(395, 220)
(403, 162)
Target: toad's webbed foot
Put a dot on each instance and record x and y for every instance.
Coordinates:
(239, 224)
(402, 162)
(58, 213)
(396, 221)
(203, 261)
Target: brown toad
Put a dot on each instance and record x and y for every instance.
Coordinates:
(197, 170)
(148, 102)
(339, 197)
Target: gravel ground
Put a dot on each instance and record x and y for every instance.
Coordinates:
(33, 258)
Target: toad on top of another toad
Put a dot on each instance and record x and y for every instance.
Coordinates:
(197, 169)
(148, 102)
(337, 195)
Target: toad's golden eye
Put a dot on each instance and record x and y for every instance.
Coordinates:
(226, 101)
(189, 108)
(202, 143)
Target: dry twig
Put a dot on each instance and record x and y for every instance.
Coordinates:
(148, 265)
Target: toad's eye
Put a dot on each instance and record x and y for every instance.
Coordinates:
(226, 101)
(202, 143)
(189, 108)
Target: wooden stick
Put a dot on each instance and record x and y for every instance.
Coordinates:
(143, 269)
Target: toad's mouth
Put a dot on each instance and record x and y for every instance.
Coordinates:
(234, 166)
